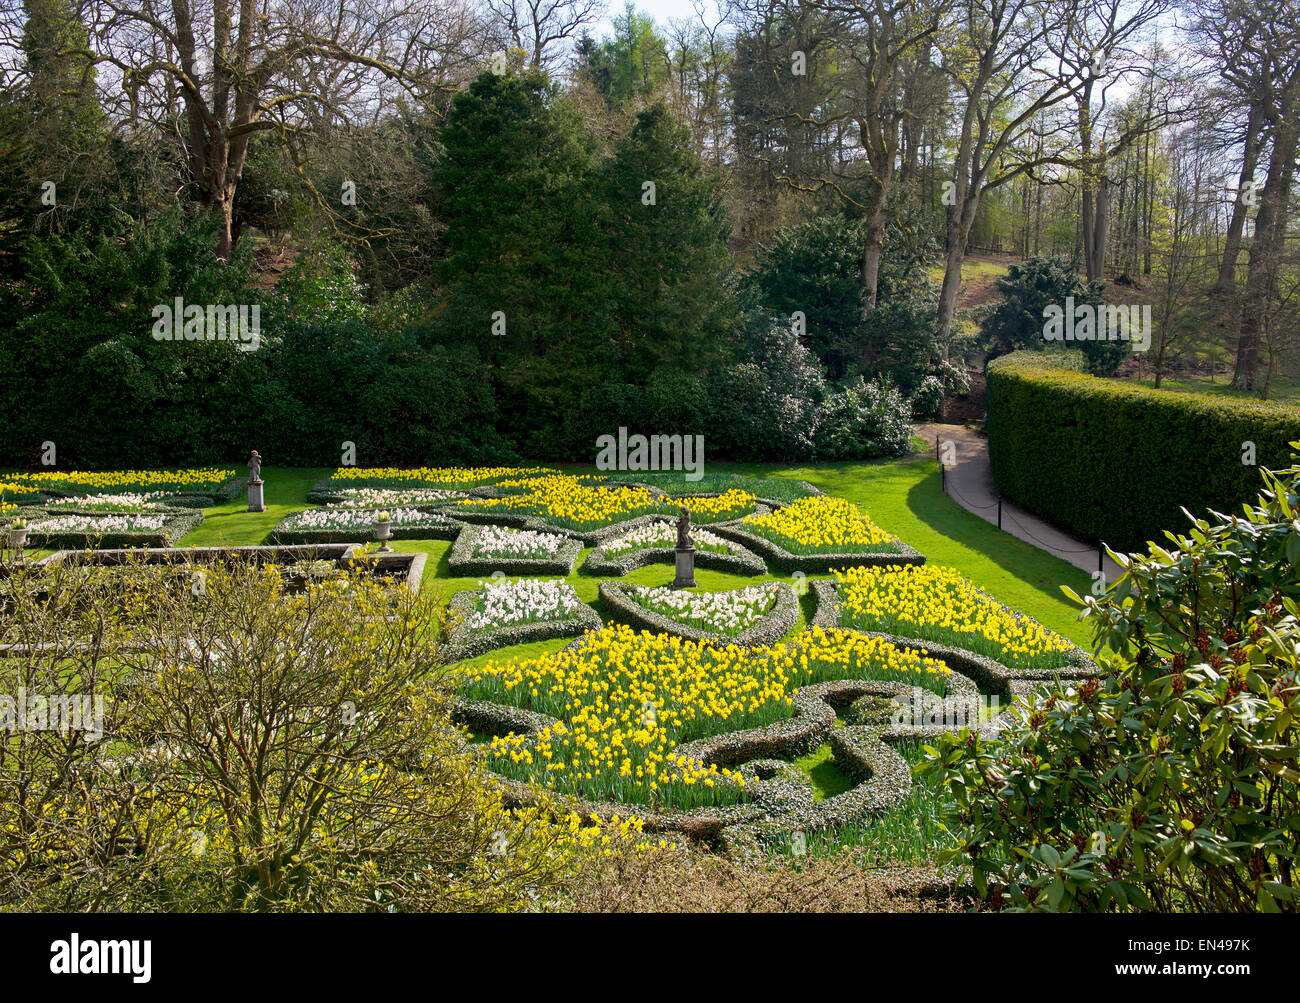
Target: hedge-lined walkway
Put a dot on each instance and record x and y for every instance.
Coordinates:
(970, 484)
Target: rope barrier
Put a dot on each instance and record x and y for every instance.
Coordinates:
(971, 506)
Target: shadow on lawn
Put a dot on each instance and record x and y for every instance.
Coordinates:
(928, 503)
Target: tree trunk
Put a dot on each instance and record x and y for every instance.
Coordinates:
(871, 254)
(1250, 161)
(951, 276)
(1100, 220)
(1265, 249)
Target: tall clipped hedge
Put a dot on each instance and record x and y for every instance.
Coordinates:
(1116, 462)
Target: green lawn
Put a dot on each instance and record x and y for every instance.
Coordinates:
(1283, 390)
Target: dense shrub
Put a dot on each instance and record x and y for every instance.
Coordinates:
(353, 791)
(862, 420)
(1117, 462)
(1027, 289)
(815, 268)
(1170, 782)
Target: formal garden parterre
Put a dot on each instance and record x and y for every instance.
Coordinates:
(684, 713)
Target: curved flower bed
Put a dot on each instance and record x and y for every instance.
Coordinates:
(778, 557)
(481, 550)
(565, 502)
(425, 477)
(76, 529)
(990, 673)
(936, 604)
(501, 614)
(759, 615)
(347, 525)
(627, 706)
(383, 498)
(654, 542)
(776, 797)
(216, 481)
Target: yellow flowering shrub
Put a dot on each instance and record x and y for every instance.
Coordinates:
(822, 524)
(565, 501)
(935, 603)
(626, 700)
(273, 751)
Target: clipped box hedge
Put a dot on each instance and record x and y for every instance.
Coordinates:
(812, 564)
(462, 562)
(769, 629)
(1115, 462)
(177, 523)
(285, 533)
(462, 642)
(738, 562)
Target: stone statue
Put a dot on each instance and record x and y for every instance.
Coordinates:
(254, 467)
(684, 558)
(684, 530)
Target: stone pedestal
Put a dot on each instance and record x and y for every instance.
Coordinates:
(255, 503)
(685, 568)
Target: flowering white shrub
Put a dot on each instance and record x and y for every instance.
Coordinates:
(357, 518)
(664, 534)
(528, 600)
(97, 523)
(501, 541)
(716, 612)
(392, 497)
(127, 502)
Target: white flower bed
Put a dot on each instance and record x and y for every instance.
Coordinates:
(715, 612)
(501, 541)
(656, 535)
(122, 502)
(389, 498)
(356, 518)
(99, 524)
(529, 600)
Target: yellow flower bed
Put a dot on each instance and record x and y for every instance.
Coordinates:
(822, 525)
(434, 477)
(109, 481)
(566, 501)
(626, 700)
(934, 603)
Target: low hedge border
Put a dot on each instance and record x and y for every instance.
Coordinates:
(781, 559)
(179, 499)
(740, 562)
(463, 563)
(177, 523)
(991, 674)
(589, 537)
(324, 493)
(773, 626)
(432, 531)
(781, 798)
(463, 643)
